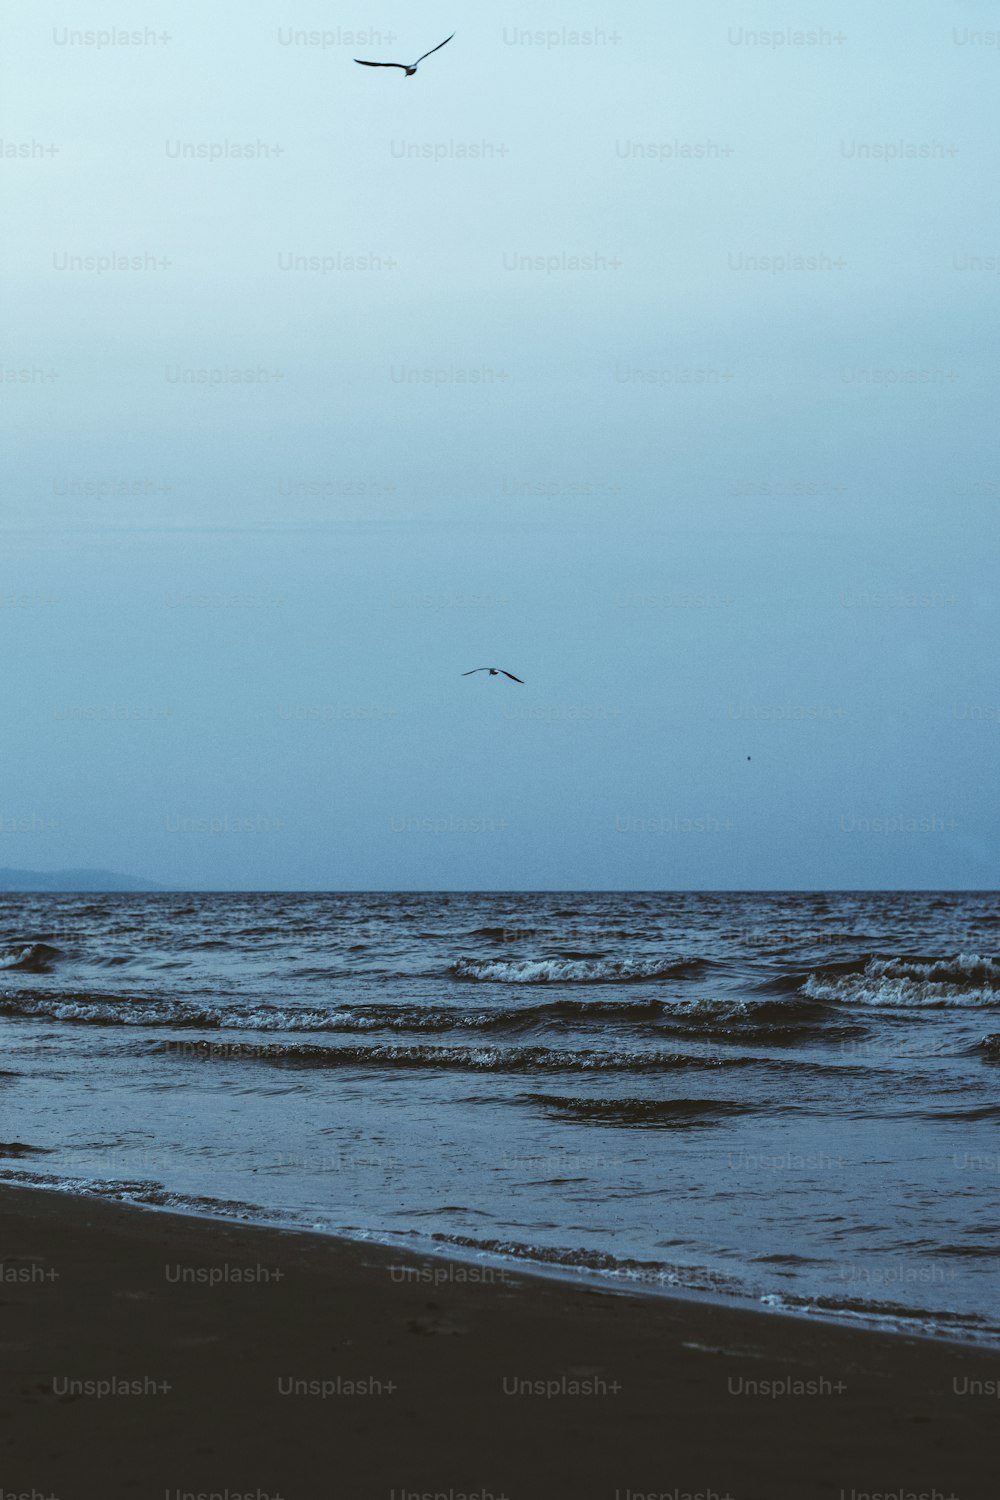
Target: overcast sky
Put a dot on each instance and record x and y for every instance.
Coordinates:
(649, 353)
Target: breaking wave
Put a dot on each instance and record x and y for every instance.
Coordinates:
(102, 1010)
(966, 979)
(708, 1018)
(574, 970)
(34, 958)
(475, 1059)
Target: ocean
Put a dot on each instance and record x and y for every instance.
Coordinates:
(788, 1099)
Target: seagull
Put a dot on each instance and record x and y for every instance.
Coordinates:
(495, 672)
(408, 69)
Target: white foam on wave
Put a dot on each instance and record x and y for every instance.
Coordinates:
(421, 1055)
(966, 979)
(29, 956)
(964, 967)
(152, 1012)
(567, 970)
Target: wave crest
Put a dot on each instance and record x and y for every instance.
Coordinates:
(475, 1059)
(33, 958)
(642, 1114)
(573, 970)
(965, 979)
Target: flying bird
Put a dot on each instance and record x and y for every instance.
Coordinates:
(408, 68)
(495, 672)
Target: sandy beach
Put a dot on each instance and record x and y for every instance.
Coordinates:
(161, 1355)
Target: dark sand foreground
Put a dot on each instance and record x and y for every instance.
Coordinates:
(412, 1381)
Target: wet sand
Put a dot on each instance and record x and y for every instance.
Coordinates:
(150, 1354)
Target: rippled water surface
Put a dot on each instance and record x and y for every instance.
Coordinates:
(787, 1097)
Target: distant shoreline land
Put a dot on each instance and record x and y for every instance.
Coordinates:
(73, 880)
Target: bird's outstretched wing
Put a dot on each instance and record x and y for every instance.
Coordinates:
(512, 677)
(433, 49)
(366, 64)
(475, 669)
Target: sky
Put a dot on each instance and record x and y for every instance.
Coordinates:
(649, 352)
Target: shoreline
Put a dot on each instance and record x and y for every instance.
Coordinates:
(901, 1322)
(276, 1349)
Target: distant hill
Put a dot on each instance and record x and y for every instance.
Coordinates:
(72, 880)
